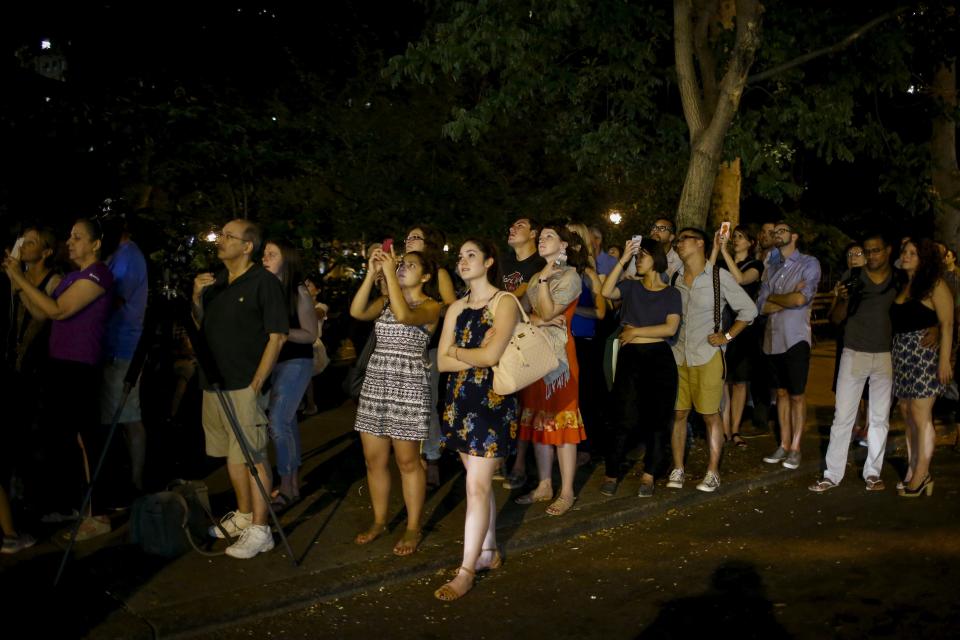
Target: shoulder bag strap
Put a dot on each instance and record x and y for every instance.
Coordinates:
(496, 299)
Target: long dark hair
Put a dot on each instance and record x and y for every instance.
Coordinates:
(291, 273)
(928, 273)
(429, 265)
(577, 256)
(489, 250)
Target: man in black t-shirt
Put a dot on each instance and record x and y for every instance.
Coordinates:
(518, 269)
(242, 315)
(523, 262)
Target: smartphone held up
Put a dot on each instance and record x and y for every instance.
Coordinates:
(725, 230)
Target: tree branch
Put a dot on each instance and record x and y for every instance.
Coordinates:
(706, 13)
(807, 57)
(690, 95)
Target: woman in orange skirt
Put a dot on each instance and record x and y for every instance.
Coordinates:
(550, 407)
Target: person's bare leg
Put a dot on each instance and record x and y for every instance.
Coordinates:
(413, 480)
(520, 463)
(479, 525)
(783, 414)
(725, 413)
(798, 419)
(738, 401)
(489, 548)
(376, 455)
(567, 457)
(715, 438)
(909, 438)
(240, 480)
(261, 514)
(924, 440)
(678, 437)
(6, 515)
(543, 453)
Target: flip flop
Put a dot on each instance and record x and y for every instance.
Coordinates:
(370, 534)
(282, 502)
(403, 548)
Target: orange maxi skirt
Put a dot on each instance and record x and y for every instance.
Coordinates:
(555, 420)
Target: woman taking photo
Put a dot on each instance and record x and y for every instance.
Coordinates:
(550, 407)
(293, 370)
(78, 307)
(744, 354)
(478, 424)
(645, 383)
(394, 405)
(919, 373)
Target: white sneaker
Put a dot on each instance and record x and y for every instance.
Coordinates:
(676, 479)
(234, 522)
(256, 538)
(711, 482)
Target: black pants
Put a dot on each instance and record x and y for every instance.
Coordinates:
(644, 398)
(72, 406)
(593, 391)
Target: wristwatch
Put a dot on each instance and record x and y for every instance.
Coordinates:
(728, 336)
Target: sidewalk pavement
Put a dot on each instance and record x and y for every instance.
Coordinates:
(111, 589)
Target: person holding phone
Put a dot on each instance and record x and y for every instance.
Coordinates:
(550, 415)
(395, 407)
(646, 379)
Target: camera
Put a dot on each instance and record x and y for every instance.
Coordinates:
(854, 286)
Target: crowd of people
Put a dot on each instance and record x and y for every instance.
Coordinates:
(680, 323)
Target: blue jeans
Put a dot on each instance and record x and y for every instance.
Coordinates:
(290, 380)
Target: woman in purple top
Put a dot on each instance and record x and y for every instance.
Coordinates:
(78, 310)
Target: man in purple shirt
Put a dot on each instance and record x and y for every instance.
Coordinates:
(785, 298)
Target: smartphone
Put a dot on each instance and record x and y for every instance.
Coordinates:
(386, 245)
(15, 252)
(725, 230)
(637, 239)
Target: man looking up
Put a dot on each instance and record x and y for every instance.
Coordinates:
(662, 232)
(697, 350)
(242, 314)
(867, 339)
(785, 298)
(518, 268)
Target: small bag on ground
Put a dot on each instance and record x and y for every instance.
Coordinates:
(166, 523)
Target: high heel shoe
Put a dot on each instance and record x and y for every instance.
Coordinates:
(925, 487)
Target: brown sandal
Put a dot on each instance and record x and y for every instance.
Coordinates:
(495, 563)
(560, 506)
(371, 534)
(408, 543)
(447, 593)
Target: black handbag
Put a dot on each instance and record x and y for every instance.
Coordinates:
(353, 383)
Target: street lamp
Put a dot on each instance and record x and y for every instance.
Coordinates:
(615, 216)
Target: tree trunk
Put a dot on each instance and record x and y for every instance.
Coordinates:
(726, 195)
(709, 126)
(943, 152)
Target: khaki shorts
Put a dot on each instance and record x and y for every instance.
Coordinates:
(220, 438)
(702, 386)
(114, 371)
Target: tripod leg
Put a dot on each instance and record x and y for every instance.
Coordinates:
(252, 467)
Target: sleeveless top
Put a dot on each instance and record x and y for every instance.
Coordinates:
(295, 350)
(911, 315)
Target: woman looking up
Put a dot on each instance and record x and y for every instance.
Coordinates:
(551, 409)
(293, 370)
(478, 423)
(394, 406)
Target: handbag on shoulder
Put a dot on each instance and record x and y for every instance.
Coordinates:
(528, 357)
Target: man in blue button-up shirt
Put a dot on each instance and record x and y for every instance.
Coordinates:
(785, 297)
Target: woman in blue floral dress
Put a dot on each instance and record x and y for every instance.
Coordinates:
(477, 423)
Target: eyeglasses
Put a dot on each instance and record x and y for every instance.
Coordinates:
(854, 254)
(412, 238)
(782, 230)
(661, 227)
(682, 238)
(230, 236)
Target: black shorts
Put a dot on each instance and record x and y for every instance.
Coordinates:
(788, 370)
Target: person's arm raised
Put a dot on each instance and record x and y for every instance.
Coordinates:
(361, 308)
(427, 313)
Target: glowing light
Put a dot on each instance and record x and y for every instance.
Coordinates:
(446, 248)
(211, 236)
(274, 118)
(615, 216)
(45, 44)
(911, 89)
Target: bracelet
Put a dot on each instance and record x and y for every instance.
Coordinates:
(542, 280)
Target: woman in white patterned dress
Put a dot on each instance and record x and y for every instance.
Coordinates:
(394, 406)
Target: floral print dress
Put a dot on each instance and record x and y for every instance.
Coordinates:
(477, 421)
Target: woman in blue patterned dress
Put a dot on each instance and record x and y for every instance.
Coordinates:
(919, 373)
(394, 406)
(477, 423)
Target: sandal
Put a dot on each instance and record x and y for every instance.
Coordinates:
(515, 481)
(560, 506)
(738, 440)
(281, 502)
(447, 593)
(533, 496)
(371, 534)
(495, 563)
(408, 543)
